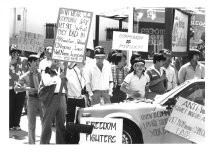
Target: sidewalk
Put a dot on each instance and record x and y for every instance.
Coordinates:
(21, 137)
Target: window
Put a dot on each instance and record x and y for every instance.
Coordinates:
(50, 30)
(195, 93)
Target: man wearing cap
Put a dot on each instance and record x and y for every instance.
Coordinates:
(17, 67)
(170, 71)
(29, 82)
(99, 80)
(192, 69)
(134, 84)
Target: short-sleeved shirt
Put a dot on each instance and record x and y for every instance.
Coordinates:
(17, 70)
(119, 74)
(171, 76)
(187, 72)
(137, 84)
(154, 74)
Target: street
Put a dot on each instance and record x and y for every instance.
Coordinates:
(21, 137)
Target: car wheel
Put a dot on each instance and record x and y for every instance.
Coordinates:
(130, 135)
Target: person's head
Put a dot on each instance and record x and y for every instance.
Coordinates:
(194, 54)
(80, 65)
(119, 59)
(33, 61)
(14, 52)
(168, 55)
(110, 55)
(48, 52)
(159, 59)
(138, 65)
(134, 56)
(99, 55)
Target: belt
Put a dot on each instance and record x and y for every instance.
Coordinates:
(72, 97)
(58, 93)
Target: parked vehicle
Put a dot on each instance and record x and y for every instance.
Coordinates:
(144, 120)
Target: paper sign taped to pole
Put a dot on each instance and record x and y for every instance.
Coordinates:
(187, 120)
(105, 131)
(130, 41)
(72, 33)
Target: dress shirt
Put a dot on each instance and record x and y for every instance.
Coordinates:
(99, 80)
(187, 72)
(75, 83)
(171, 77)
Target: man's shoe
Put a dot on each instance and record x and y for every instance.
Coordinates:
(17, 128)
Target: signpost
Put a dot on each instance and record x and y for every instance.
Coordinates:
(130, 41)
(72, 33)
(28, 41)
(105, 131)
(187, 120)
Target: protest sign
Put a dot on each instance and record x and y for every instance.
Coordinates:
(187, 120)
(28, 41)
(105, 130)
(72, 33)
(130, 41)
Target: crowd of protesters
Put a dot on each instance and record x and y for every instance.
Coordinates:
(102, 79)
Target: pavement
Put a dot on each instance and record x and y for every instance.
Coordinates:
(21, 137)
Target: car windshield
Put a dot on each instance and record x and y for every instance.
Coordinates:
(161, 98)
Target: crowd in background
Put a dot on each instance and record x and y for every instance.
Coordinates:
(99, 80)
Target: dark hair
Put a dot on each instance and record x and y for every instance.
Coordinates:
(193, 52)
(158, 57)
(110, 54)
(165, 51)
(134, 56)
(30, 59)
(117, 57)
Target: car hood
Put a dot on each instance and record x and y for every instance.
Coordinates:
(128, 107)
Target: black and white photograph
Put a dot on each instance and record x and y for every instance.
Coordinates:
(124, 80)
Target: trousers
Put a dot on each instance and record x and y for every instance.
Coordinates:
(34, 109)
(98, 94)
(16, 102)
(57, 111)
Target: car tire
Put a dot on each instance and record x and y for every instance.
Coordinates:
(131, 135)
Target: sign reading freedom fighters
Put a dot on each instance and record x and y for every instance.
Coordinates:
(130, 41)
(32, 42)
(105, 131)
(72, 33)
(187, 120)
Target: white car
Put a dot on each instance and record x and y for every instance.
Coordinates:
(144, 121)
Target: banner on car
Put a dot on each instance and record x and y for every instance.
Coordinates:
(105, 130)
(72, 33)
(130, 41)
(187, 120)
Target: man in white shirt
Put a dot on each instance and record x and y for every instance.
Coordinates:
(56, 108)
(99, 80)
(170, 70)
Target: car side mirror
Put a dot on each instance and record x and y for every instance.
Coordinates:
(171, 102)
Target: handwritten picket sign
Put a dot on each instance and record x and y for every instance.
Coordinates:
(187, 120)
(73, 27)
(105, 131)
(28, 41)
(130, 41)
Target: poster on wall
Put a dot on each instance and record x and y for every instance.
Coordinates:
(73, 27)
(179, 32)
(187, 120)
(105, 131)
(130, 41)
(28, 41)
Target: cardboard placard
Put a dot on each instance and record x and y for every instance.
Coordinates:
(130, 41)
(187, 120)
(32, 42)
(72, 33)
(105, 131)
